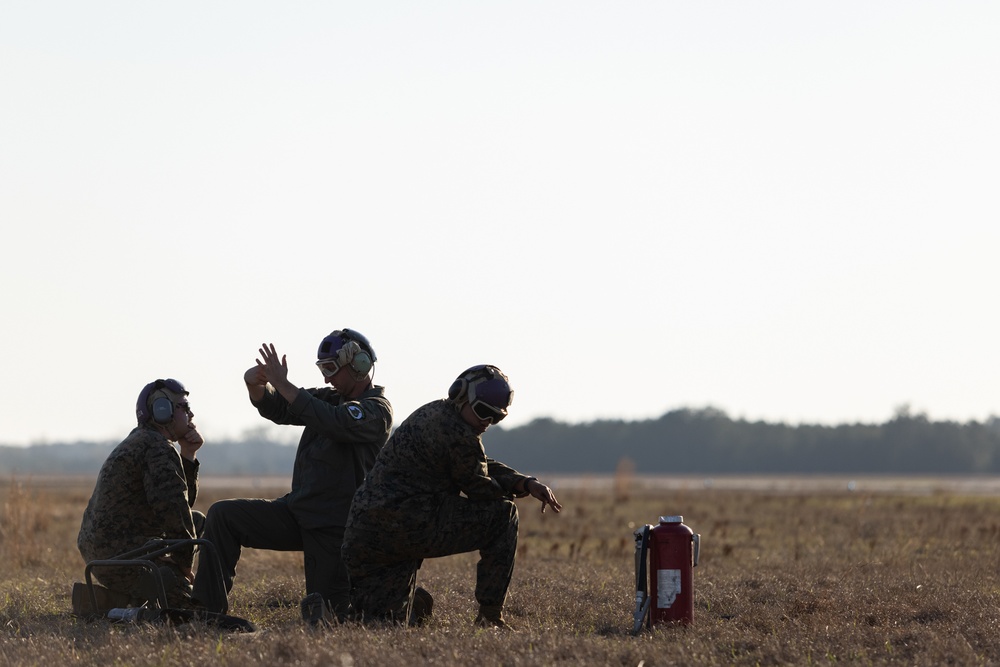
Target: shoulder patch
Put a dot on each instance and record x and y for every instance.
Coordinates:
(356, 412)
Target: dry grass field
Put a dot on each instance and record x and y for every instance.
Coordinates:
(802, 575)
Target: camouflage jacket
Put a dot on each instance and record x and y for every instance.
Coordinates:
(338, 446)
(433, 454)
(145, 490)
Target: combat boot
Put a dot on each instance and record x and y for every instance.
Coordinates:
(491, 616)
(421, 607)
(315, 611)
(106, 599)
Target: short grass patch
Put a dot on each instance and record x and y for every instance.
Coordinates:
(785, 579)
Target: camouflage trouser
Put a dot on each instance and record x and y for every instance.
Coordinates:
(139, 585)
(383, 565)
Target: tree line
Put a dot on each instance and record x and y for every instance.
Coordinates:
(709, 441)
(683, 441)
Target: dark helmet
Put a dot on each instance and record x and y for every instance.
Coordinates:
(145, 408)
(486, 389)
(330, 346)
(346, 347)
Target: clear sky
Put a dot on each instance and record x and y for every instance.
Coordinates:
(785, 210)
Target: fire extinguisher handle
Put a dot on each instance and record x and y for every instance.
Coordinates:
(697, 548)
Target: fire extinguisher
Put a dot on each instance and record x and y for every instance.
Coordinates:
(666, 595)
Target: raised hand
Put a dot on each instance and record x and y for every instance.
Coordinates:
(274, 369)
(255, 375)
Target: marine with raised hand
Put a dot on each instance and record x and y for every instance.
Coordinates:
(345, 426)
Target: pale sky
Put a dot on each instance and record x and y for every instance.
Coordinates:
(784, 210)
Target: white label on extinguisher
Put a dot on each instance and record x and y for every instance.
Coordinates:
(668, 587)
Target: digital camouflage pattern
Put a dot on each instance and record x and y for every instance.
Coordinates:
(145, 490)
(411, 507)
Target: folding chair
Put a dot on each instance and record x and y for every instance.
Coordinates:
(157, 608)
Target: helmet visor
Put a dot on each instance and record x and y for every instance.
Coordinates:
(484, 411)
(490, 399)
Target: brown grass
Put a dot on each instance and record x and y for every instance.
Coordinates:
(785, 578)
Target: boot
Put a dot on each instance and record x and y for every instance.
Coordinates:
(106, 599)
(315, 611)
(491, 616)
(421, 606)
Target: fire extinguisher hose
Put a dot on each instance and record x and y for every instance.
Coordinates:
(642, 598)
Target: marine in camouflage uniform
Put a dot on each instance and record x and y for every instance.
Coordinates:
(145, 490)
(412, 506)
(345, 427)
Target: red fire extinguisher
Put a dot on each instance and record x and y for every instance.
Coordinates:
(671, 550)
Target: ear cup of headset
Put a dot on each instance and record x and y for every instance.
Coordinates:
(457, 388)
(362, 363)
(153, 404)
(163, 410)
(351, 354)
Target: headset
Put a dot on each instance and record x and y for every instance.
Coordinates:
(464, 386)
(459, 389)
(347, 347)
(155, 403)
(486, 389)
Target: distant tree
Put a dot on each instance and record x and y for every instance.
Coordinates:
(683, 441)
